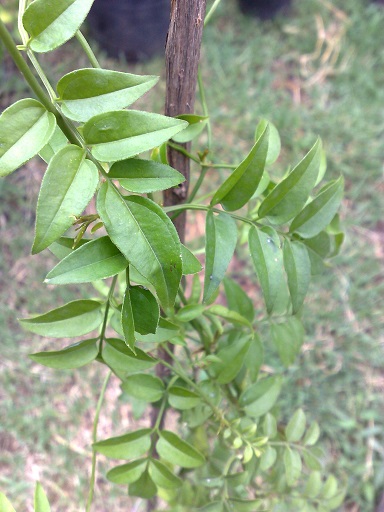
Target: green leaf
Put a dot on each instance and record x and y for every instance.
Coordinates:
(129, 446)
(241, 505)
(145, 310)
(295, 429)
(240, 186)
(312, 435)
(267, 257)
(230, 316)
(56, 142)
(268, 458)
(255, 357)
(274, 143)
(317, 214)
(196, 125)
(96, 259)
(330, 488)
(50, 23)
(67, 187)
(292, 465)
(259, 398)
(313, 485)
(143, 387)
(232, 359)
(146, 237)
(288, 338)
(145, 176)
(164, 332)
(176, 451)
(74, 319)
(270, 426)
(127, 473)
(182, 398)
(127, 321)
(312, 460)
(41, 500)
(191, 265)
(125, 133)
(298, 268)
(25, 128)
(122, 360)
(64, 246)
(215, 506)
(220, 243)
(85, 93)
(189, 312)
(162, 476)
(238, 300)
(144, 487)
(288, 197)
(74, 356)
(5, 505)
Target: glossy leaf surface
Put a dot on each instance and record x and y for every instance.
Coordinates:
(74, 319)
(50, 23)
(298, 268)
(96, 259)
(74, 356)
(274, 143)
(145, 310)
(85, 93)
(289, 197)
(176, 451)
(25, 128)
(220, 243)
(128, 446)
(125, 133)
(155, 252)
(240, 186)
(121, 359)
(145, 176)
(317, 214)
(267, 257)
(67, 187)
(144, 387)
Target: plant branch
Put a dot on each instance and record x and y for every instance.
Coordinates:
(87, 49)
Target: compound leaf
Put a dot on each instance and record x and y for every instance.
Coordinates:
(85, 93)
(146, 237)
(288, 197)
(176, 451)
(220, 243)
(240, 186)
(50, 24)
(67, 187)
(129, 446)
(238, 300)
(25, 128)
(97, 259)
(145, 176)
(74, 319)
(125, 133)
(74, 356)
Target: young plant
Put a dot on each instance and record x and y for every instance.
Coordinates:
(233, 452)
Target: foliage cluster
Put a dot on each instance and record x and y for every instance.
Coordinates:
(234, 454)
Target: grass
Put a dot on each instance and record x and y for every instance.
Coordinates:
(251, 70)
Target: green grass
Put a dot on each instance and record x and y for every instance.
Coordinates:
(251, 70)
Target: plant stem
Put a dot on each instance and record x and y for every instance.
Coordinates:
(107, 306)
(211, 11)
(87, 50)
(191, 206)
(94, 440)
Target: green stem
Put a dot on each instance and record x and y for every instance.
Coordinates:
(107, 306)
(204, 106)
(94, 440)
(211, 11)
(184, 152)
(191, 206)
(87, 50)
